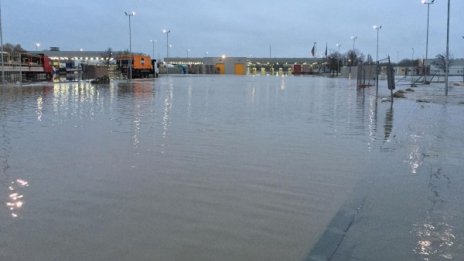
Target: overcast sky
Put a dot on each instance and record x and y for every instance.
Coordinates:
(235, 27)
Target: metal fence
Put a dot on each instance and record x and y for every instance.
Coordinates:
(366, 74)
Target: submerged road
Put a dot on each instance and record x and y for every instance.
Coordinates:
(410, 205)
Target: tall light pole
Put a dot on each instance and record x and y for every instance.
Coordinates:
(412, 68)
(354, 41)
(1, 43)
(166, 31)
(447, 49)
(129, 14)
(153, 50)
(338, 60)
(377, 28)
(428, 3)
(353, 55)
(412, 57)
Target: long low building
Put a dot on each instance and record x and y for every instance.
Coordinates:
(237, 65)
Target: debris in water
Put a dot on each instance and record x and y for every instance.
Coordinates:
(399, 94)
(422, 100)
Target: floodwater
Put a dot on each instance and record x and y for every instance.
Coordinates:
(228, 168)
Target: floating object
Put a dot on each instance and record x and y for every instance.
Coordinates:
(422, 100)
(399, 94)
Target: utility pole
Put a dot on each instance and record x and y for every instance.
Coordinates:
(129, 14)
(377, 28)
(447, 49)
(167, 31)
(1, 43)
(428, 3)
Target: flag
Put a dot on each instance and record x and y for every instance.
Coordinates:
(313, 50)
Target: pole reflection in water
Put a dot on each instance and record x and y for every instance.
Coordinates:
(189, 102)
(372, 121)
(388, 126)
(141, 97)
(166, 116)
(366, 100)
(39, 108)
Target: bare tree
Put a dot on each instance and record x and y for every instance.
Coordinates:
(440, 62)
(354, 57)
(107, 55)
(369, 59)
(333, 61)
(13, 49)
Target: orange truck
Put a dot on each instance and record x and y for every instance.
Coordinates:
(142, 66)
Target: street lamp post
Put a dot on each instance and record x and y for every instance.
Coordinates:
(377, 69)
(338, 60)
(153, 50)
(1, 43)
(166, 31)
(354, 41)
(412, 57)
(377, 28)
(129, 14)
(353, 55)
(428, 3)
(447, 49)
(412, 68)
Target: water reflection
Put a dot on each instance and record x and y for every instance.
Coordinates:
(367, 101)
(189, 100)
(435, 241)
(139, 100)
(388, 126)
(15, 197)
(436, 234)
(166, 115)
(228, 150)
(39, 108)
(372, 121)
(80, 100)
(283, 85)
